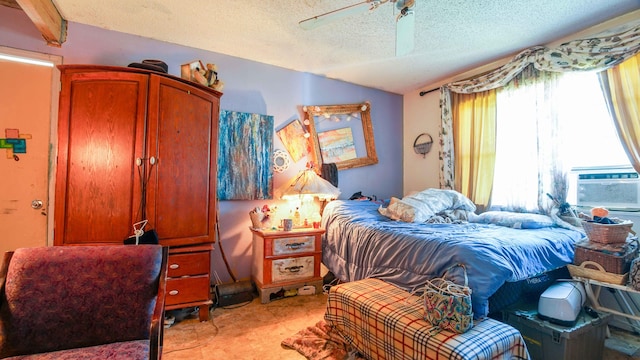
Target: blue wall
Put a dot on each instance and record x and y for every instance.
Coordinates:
(249, 87)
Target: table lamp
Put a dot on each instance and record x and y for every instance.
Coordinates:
(306, 186)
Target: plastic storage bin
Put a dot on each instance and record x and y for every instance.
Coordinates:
(547, 341)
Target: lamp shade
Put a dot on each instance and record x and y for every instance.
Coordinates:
(307, 182)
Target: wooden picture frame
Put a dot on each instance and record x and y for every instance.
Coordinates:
(328, 118)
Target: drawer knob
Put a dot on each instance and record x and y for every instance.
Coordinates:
(174, 266)
(294, 269)
(173, 292)
(295, 245)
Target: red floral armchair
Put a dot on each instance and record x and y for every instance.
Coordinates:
(83, 302)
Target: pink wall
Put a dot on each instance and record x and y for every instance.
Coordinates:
(249, 87)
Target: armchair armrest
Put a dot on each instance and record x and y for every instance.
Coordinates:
(3, 271)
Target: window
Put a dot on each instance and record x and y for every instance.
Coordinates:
(558, 120)
(591, 136)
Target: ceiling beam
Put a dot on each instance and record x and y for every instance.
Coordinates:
(47, 18)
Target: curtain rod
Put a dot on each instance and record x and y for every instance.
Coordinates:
(423, 93)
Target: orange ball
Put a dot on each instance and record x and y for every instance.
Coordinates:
(600, 212)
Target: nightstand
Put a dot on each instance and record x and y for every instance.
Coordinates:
(285, 260)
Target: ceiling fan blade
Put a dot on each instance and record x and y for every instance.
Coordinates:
(405, 32)
(322, 19)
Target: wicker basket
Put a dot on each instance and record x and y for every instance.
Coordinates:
(593, 270)
(607, 233)
(614, 258)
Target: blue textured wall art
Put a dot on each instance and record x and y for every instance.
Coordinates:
(245, 153)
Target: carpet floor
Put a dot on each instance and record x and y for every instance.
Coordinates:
(247, 332)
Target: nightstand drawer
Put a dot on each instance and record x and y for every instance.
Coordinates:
(293, 245)
(292, 269)
(187, 289)
(196, 263)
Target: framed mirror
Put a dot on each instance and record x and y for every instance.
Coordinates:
(341, 134)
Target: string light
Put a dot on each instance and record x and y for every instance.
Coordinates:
(327, 116)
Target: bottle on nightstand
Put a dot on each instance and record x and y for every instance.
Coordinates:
(296, 219)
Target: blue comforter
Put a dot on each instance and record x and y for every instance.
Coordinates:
(361, 243)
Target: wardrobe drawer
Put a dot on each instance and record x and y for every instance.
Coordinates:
(187, 289)
(293, 245)
(185, 264)
(292, 269)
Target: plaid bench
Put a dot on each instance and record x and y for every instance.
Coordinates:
(383, 321)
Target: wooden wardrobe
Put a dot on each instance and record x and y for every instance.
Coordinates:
(139, 145)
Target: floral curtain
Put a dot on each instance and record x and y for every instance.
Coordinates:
(446, 155)
(598, 53)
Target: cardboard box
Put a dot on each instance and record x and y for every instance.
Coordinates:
(187, 70)
(547, 341)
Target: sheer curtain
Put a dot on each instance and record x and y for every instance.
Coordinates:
(529, 142)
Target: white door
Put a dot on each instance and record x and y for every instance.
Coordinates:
(28, 107)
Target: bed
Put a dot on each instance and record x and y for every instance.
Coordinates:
(360, 242)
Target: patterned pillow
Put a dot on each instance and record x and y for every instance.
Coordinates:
(399, 210)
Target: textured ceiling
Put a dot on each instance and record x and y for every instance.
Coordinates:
(451, 36)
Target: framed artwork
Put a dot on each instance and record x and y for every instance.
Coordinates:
(245, 156)
(341, 134)
(292, 137)
(337, 145)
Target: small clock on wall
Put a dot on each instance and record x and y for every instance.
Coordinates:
(281, 160)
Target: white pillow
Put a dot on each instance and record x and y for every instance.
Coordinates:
(438, 200)
(420, 207)
(514, 220)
